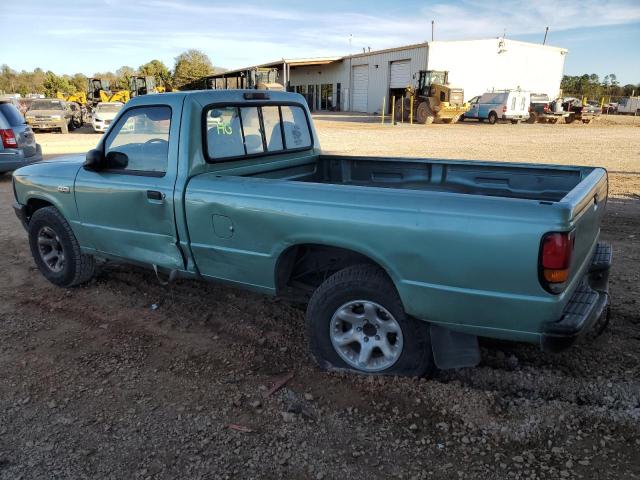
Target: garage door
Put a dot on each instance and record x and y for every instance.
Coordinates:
(360, 75)
(400, 74)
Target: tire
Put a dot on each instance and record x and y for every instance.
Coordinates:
(493, 118)
(64, 128)
(569, 118)
(349, 290)
(49, 231)
(424, 114)
(532, 118)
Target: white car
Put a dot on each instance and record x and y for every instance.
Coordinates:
(103, 115)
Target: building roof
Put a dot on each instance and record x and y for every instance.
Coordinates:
(300, 62)
(294, 62)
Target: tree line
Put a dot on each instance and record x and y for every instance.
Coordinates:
(592, 87)
(189, 66)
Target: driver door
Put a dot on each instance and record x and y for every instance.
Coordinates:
(126, 208)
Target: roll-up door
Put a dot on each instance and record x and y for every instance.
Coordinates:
(400, 74)
(360, 75)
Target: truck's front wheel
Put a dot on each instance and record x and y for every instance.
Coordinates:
(56, 251)
(355, 321)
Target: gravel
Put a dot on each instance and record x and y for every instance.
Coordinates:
(96, 384)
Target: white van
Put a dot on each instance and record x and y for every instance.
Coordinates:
(503, 104)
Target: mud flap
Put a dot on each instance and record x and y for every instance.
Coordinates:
(453, 349)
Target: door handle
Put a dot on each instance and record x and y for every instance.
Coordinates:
(155, 195)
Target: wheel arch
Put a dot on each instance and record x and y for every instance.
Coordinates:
(37, 202)
(317, 261)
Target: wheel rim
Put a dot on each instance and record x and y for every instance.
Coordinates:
(366, 335)
(50, 249)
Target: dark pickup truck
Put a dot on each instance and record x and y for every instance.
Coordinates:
(541, 109)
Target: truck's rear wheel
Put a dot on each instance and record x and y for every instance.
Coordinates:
(424, 114)
(493, 118)
(569, 118)
(56, 251)
(355, 321)
(532, 118)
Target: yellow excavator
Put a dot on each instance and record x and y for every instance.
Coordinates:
(79, 97)
(434, 99)
(98, 91)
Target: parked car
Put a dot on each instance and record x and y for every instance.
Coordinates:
(510, 105)
(18, 145)
(50, 114)
(544, 110)
(402, 263)
(103, 115)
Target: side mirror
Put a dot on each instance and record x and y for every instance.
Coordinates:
(94, 160)
(117, 160)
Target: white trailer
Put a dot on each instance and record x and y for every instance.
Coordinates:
(480, 66)
(629, 105)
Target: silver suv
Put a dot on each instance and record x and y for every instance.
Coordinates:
(18, 145)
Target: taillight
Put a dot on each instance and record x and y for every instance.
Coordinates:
(546, 108)
(504, 108)
(555, 259)
(8, 138)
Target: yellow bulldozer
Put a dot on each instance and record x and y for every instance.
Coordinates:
(144, 85)
(434, 100)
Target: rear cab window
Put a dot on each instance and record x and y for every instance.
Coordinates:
(238, 131)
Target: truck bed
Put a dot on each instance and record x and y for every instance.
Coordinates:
(533, 182)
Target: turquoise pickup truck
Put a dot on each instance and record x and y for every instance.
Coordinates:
(402, 263)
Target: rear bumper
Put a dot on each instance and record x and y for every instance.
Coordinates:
(585, 306)
(514, 117)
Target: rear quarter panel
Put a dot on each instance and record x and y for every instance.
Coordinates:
(464, 261)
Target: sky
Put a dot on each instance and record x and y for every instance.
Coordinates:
(602, 36)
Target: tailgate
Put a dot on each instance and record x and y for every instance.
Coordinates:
(588, 200)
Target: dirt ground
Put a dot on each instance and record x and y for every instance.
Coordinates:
(125, 378)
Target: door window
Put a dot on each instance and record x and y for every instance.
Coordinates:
(142, 134)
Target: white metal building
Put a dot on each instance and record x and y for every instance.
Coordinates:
(359, 82)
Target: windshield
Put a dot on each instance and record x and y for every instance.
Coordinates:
(108, 108)
(47, 105)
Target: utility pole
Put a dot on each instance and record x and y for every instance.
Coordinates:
(546, 30)
(433, 22)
